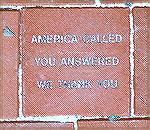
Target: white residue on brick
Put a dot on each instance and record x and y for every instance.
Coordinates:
(143, 4)
(11, 7)
(20, 73)
(66, 119)
(62, 119)
(131, 63)
(75, 125)
(67, 6)
(96, 4)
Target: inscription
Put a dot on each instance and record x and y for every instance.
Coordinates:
(108, 38)
(107, 83)
(45, 84)
(74, 39)
(51, 61)
(77, 61)
(76, 84)
(45, 61)
(54, 39)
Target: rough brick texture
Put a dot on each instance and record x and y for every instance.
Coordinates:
(43, 2)
(9, 63)
(124, 1)
(142, 57)
(117, 125)
(36, 126)
(88, 101)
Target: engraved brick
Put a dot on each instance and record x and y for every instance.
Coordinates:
(38, 97)
(8, 63)
(142, 58)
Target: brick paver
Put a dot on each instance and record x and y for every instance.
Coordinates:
(106, 79)
(36, 126)
(141, 27)
(9, 63)
(110, 125)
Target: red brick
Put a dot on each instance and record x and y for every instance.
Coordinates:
(51, 2)
(89, 102)
(9, 63)
(124, 1)
(1, 70)
(117, 125)
(138, 1)
(74, 1)
(142, 58)
(36, 126)
(44, 2)
(112, 1)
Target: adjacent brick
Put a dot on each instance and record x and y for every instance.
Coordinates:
(44, 2)
(124, 1)
(9, 63)
(36, 126)
(1, 64)
(50, 2)
(60, 101)
(116, 125)
(142, 58)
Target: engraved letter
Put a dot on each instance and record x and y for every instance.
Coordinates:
(86, 39)
(40, 40)
(37, 60)
(63, 62)
(108, 61)
(67, 39)
(34, 40)
(74, 39)
(44, 61)
(115, 61)
(101, 61)
(56, 38)
(118, 38)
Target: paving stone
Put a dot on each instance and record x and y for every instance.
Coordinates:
(142, 57)
(124, 1)
(36, 126)
(44, 2)
(117, 125)
(9, 63)
(110, 96)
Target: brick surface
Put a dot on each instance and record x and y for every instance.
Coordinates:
(36, 126)
(117, 125)
(49, 2)
(141, 27)
(43, 2)
(124, 1)
(139, 1)
(1, 70)
(26, 2)
(9, 60)
(88, 101)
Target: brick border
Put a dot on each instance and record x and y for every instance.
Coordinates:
(74, 119)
